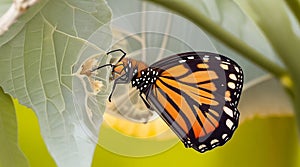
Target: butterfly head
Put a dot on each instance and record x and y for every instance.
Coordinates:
(118, 70)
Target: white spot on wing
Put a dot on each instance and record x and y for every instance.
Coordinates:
(205, 59)
(191, 57)
(224, 62)
(224, 136)
(236, 69)
(224, 66)
(202, 146)
(231, 85)
(233, 77)
(214, 141)
(229, 124)
(182, 61)
(228, 111)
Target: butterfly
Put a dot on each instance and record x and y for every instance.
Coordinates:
(195, 93)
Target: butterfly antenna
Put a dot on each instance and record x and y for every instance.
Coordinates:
(105, 65)
(117, 50)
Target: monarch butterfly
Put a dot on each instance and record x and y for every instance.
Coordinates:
(195, 93)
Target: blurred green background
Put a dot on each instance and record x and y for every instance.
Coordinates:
(257, 142)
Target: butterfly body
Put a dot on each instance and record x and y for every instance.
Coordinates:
(195, 93)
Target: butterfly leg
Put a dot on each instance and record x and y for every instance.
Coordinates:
(113, 89)
(119, 80)
(145, 101)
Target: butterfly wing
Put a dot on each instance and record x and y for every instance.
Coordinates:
(197, 94)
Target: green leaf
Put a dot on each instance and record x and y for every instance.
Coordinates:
(281, 32)
(4, 5)
(10, 152)
(41, 60)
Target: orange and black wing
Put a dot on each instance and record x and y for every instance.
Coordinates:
(197, 94)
